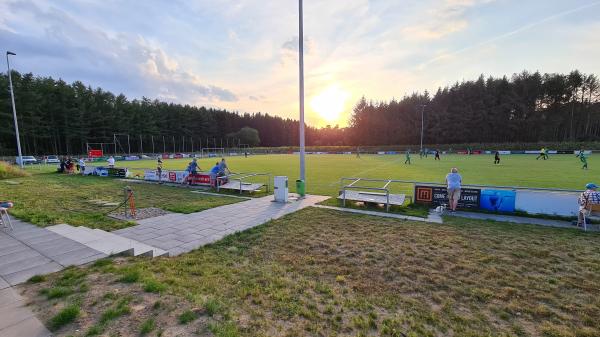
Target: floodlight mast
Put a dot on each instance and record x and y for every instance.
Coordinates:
(301, 76)
(14, 108)
(422, 111)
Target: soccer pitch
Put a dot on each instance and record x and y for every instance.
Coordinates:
(324, 171)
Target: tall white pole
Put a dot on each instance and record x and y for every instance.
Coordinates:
(422, 111)
(14, 108)
(301, 75)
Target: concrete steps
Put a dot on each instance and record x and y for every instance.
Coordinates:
(105, 242)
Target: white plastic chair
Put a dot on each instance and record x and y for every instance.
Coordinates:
(4, 214)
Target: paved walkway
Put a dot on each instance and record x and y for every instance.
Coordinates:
(16, 320)
(181, 233)
(513, 219)
(29, 250)
(432, 217)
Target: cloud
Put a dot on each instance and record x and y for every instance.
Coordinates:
(124, 62)
(444, 19)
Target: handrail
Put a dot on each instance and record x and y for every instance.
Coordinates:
(387, 194)
(244, 176)
(470, 185)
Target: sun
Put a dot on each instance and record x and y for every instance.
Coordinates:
(329, 103)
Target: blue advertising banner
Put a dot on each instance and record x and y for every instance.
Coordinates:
(498, 200)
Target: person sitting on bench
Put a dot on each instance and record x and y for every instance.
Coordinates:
(214, 173)
(586, 199)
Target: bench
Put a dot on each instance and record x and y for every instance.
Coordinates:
(238, 182)
(367, 194)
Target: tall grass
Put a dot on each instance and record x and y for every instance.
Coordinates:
(10, 171)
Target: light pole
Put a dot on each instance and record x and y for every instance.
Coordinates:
(14, 108)
(301, 71)
(422, 111)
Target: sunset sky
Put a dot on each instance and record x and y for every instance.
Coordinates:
(242, 54)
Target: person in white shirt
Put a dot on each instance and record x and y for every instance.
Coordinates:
(453, 180)
(81, 166)
(111, 162)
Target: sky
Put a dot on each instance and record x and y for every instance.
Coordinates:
(242, 55)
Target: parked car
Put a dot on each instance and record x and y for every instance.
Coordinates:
(27, 160)
(52, 160)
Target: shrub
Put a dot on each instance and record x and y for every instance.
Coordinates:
(10, 171)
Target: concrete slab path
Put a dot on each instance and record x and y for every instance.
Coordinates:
(28, 250)
(16, 320)
(181, 233)
(518, 219)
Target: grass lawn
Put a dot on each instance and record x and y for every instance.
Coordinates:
(324, 273)
(324, 171)
(47, 198)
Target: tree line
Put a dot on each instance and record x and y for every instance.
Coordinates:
(528, 107)
(56, 117)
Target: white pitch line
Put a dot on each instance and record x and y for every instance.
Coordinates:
(358, 174)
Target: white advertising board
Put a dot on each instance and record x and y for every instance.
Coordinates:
(546, 202)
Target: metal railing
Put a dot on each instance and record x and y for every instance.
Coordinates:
(241, 177)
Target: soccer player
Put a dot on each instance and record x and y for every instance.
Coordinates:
(407, 157)
(357, 152)
(437, 155)
(159, 169)
(583, 159)
(542, 154)
(497, 157)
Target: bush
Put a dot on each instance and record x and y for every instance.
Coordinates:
(10, 171)
(65, 316)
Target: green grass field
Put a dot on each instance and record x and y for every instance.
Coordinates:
(47, 198)
(325, 171)
(326, 273)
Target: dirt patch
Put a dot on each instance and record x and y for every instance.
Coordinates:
(98, 294)
(140, 213)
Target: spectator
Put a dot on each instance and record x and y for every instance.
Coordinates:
(192, 170)
(223, 169)
(81, 166)
(69, 165)
(453, 180)
(214, 173)
(6, 204)
(588, 197)
(111, 162)
(63, 165)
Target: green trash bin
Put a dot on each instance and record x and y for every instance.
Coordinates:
(300, 187)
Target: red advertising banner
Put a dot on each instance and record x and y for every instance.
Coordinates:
(95, 153)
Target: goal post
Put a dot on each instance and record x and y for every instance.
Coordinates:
(207, 152)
